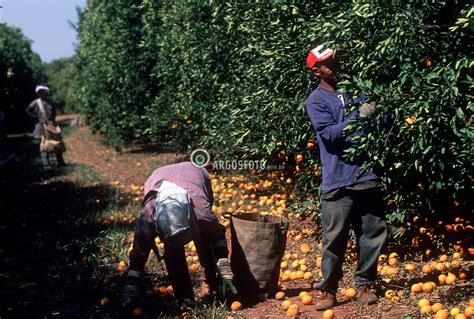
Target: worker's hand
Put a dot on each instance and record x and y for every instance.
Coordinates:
(367, 110)
(226, 274)
(131, 291)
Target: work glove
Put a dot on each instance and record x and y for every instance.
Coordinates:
(225, 271)
(368, 109)
(131, 291)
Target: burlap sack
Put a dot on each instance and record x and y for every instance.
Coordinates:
(258, 245)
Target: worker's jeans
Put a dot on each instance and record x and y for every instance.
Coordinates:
(364, 210)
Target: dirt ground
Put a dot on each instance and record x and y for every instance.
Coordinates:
(64, 230)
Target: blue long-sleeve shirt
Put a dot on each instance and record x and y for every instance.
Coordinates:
(327, 113)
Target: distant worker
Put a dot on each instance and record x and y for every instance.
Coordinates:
(348, 198)
(177, 207)
(42, 112)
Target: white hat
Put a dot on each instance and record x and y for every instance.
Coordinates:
(41, 88)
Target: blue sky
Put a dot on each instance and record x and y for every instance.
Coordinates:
(45, 22)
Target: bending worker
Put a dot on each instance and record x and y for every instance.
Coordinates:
(178, 208)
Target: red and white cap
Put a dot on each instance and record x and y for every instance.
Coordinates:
(317, 55)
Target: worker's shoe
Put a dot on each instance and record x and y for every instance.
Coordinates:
(366, 294)
(327, 300)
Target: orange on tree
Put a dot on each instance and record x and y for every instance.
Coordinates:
(409, 121)
(299, 158)
(311, 144)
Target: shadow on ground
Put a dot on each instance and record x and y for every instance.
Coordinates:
(47, 221)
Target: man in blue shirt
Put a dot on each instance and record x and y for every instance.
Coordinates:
(348, 198)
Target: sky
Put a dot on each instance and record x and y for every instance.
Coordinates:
(45, 22)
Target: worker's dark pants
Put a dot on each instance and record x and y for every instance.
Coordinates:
(45, 158)
(178, 272)
(364, 210)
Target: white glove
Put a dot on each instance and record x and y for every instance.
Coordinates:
(367, 109)
(225, 271)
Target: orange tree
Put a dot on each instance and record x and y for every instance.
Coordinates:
(111, 83)
(60, 75)
(415, 61)
(190, 71)
(20, 71)
(231, 77)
